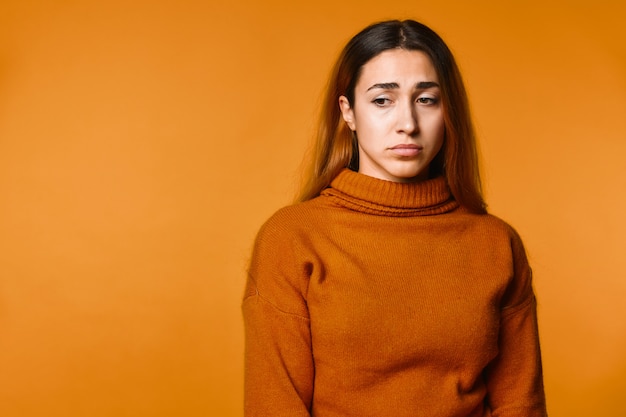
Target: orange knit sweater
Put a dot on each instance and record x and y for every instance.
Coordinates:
(387, 299)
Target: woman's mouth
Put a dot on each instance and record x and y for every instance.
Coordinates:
(406, 150)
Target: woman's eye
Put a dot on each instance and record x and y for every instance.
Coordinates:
(381, 101)
(427, 100)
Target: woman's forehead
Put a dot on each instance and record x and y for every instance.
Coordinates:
(395, 68)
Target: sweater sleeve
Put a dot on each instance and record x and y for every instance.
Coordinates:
(279, 367)
(514, 379)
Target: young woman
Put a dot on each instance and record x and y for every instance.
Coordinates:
(388, 290)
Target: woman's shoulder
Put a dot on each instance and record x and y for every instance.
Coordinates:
(291, 219)
(493, 226)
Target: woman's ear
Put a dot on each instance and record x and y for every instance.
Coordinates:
(347, 112)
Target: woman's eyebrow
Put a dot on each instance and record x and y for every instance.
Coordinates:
(384, 86)
(391, 86)
(426, 84)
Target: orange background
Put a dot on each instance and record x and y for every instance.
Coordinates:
(143, 143)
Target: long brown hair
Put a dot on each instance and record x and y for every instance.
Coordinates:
(335, 148)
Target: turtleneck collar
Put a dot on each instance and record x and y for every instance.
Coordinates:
(387, 198)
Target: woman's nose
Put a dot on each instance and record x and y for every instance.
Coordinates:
(407, 119)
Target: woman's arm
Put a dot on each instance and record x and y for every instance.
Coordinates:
(278, 361)
(279, 368)
(514, 378)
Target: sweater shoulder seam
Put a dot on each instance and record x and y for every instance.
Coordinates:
(263, 299)
(508, 311)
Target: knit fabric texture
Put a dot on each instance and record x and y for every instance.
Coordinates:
(388, 299)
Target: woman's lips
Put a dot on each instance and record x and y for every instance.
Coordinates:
(406, 150)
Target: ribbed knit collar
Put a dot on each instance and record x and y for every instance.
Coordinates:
(387, 198)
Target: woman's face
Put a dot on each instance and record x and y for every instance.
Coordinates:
(397, 115)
